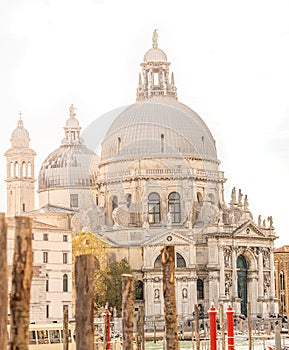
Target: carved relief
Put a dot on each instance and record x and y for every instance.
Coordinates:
(228, 283)
(227, 257)
(185, 293)
(266, 259)
(157, 294)
(266, 285)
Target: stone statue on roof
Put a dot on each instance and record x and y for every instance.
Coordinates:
(155, 38)
(233, 195)
(240, 196)
(72, 111)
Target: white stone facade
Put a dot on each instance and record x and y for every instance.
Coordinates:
(157, 183)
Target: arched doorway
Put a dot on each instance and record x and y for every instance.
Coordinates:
(242, 283)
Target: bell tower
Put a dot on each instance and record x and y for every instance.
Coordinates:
(20, 172)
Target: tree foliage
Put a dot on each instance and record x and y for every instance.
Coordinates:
(85, 242)
(111, 280)
(107, 275)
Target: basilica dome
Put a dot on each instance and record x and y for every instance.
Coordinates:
(72, 164)
(159, 126)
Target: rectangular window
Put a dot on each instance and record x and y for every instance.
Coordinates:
(47, 311)
(45, 257)
(64, 258)
(47, 283)
(74, 200)
(45, 236)
(65, 238)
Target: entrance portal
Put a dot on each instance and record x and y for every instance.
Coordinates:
(242, 283)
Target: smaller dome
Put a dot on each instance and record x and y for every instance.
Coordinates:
(20, 132)
(155, 55)
(68, 166)
(72, 123)
(20, 136)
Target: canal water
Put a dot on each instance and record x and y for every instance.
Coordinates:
(258, 344)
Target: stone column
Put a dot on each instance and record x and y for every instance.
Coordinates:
(193, 254)
(272, 268)
(222, 273)
(150, 82)
(146, 289)
(260, 275)
(193, 292)
(234, 273)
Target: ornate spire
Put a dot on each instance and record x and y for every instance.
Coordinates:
(72, 129)
(155, 79)
(20, 121)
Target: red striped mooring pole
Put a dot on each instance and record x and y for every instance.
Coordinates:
(213, 327)
(230, 327)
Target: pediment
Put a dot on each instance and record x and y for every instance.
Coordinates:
(249, 230)
(168, 238)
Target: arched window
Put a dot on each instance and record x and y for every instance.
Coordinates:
(65, 283)
(118, 145)
(199, 197)
(139, 290)
(242, 282)
(174, 206)
(282, 291)
(282, 280)
(162, 143)
(158, 262)
(181, 262)
(200, 289)
(29, 169)
(24, 169)
(128, 200)
(47, 283)
(114, 202)
(11, 170)
(16, 169)
(154, 213)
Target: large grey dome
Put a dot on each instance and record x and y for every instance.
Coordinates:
(158, 127)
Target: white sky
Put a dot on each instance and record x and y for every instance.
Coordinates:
(231, 65)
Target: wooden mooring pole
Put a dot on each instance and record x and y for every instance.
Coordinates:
(170, 309)
(21, 284)
(249, 313)
(140, 337)
(197, 327)
(65, 327)
(3, 283)
(84, 280)
(222, 326)
(127, 311)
